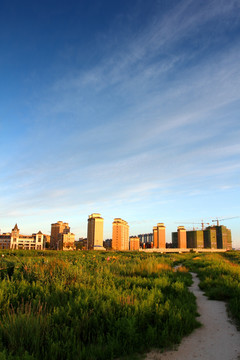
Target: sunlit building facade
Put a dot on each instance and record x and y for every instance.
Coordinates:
(95, 232)
(61, 237)
(182, 237)
(134, 243)
(120, 235)
(14, 240)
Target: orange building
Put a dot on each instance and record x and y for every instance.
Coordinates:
(161, 230)
(134, 243)
(61, 238)
(182, 237)
(159, 237)
(120, 235)
(155, 237)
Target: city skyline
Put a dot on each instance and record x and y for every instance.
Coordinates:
(129, 109)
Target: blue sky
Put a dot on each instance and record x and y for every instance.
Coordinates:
(127, 108)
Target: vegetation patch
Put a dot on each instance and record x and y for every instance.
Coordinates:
(88, 305)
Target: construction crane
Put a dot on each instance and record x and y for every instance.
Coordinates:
(194, 223)
(217, 219)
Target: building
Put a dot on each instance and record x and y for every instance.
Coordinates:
(159, 237)
(146, 238)
(120, 235)
(224, 237)
(218, 237)
(195, 239)
(182, 237)
(155, 237)
(210, 237)
(46, 239)
(175, 240)
(95, 232)
(15, 240)
(66, 241)
(58, 228)
(134, 243)
(61, 238)
(107, 244)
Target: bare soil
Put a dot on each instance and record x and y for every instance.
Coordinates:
(217, 339)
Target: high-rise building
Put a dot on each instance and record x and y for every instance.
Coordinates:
(224, 237)
(120, 235)
(95, 232)
(56, 229)
(161, 237)
(182, 237)
(155, 237)
(210, 238)
(134, 243)
(195, 239)
(175, 240)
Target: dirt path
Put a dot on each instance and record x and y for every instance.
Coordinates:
(217, 339)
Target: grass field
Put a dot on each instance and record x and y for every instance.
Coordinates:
(220, 277)
(90, 305)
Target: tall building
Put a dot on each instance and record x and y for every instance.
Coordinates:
(161, 236)
(182, 237)
(175, 240)
(210, 238)
(195, 239)
(95, 232)
(224, 237)
(56, 230)
(218, 237)
(134, 243)
(15, 240)
(155, 237)
(120, 235)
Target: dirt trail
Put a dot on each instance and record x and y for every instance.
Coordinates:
(217, 339)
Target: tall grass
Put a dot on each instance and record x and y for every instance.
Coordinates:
(86, 305)
(220, 277)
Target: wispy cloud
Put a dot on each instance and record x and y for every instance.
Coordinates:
(155, 117)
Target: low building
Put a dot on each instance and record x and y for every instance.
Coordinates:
(134, 243)
(66, 241)
(146, 238)
(81, 244)
(107, 244)
(15, 240)
(61, 237)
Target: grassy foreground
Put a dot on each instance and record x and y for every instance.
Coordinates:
(85, 305)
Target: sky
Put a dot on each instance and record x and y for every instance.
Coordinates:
(129, 109)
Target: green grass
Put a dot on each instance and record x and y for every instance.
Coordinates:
(88, 305)
(220, 277)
